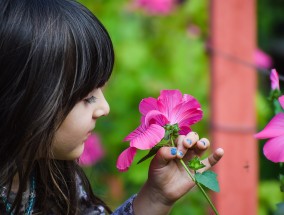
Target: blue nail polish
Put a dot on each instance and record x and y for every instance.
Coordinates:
(189, 141)
(203, 142)
(180, 153)
(173, 151)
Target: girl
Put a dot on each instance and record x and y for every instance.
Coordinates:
(55, 56)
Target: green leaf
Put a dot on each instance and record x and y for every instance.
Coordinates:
(154, 150)
(274, 94)
(281, 179)
(208, 179)
(195, 164)
(277, 106)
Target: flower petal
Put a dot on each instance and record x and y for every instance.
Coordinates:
(125, 159)
(281, 101)
(274, 149)
(273, 129)
(93, 151)
(186, 110)
(274, 78)
(146, 137)
(262, 59)
(156, 7)
(184, 130)
(147, 105)
(155, 117)
(193, 101)
(190, 117)
(169, 99)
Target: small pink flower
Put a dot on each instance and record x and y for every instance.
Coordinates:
(170, 108)
(93, 151)
(274, 78)
(156, 7)
(262, 60)
(274, 130)
(193, 31)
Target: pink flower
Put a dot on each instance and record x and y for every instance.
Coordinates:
(274, 78)
(170, 108)
(156, 7)
(93, 151)
(193, 31)
(274, 147)
(262, 60)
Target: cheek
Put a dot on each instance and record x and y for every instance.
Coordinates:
(73, 131)
(69, 139)
(68, 142)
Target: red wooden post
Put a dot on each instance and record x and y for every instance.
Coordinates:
(233, 89)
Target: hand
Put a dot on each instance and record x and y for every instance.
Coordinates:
(168, 181)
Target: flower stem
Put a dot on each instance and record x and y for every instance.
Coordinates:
(197, 183)
(281, 178)
(200, 187)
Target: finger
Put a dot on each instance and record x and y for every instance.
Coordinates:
(201, 146)
(179, 139)
(186, 142)
(164, 156)
(212, 159)
(181, 150)
(190, 139)
(198, 149)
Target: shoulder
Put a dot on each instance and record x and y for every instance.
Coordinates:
(126, 208)
(86, 206)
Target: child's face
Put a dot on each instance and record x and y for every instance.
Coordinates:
(69, 139)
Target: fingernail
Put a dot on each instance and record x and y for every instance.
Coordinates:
(189, 141)
(180, 153)
(203, 142)
(173, 151)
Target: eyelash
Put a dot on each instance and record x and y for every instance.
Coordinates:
(90, 100)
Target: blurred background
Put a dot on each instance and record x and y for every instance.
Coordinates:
(164, 45)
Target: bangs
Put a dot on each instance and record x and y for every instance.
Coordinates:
(89, 55)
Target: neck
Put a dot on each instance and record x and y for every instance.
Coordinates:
(15, 183)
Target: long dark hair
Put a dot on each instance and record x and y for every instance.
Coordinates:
(52, 54)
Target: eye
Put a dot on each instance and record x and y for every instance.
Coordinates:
(90, 100)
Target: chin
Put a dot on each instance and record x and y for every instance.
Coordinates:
(77, 152)
(70, 155)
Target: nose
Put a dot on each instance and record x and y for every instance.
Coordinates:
(102, 108)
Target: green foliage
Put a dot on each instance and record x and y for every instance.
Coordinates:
(195, 164)
(193, 203)
(208, 179)
(270, 21)
(269, 195)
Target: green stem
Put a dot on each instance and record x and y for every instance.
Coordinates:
(281, 178)
(188, 172)
(196, 182)
(200, 187)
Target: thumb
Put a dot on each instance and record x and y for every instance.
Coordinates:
(164, 156)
